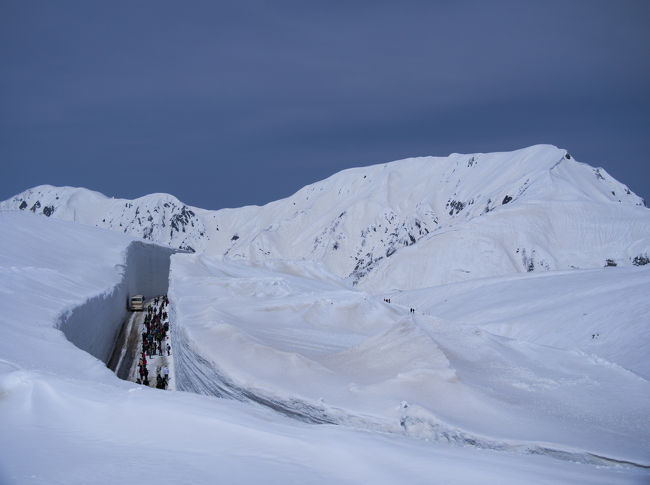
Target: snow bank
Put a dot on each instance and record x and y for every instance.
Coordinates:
(67, 419)
(604, 312)
(60, 275)
(336, 354)
(282, 309)
(60, 431)
(94, 325)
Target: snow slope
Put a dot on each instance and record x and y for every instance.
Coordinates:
(461, 216)
(603, 312)
(48, 269)
(279, 335)
(66, 419)
(525, 360)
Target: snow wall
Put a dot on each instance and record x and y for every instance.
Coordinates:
(95, 325)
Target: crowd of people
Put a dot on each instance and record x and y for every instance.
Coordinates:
(154, 342)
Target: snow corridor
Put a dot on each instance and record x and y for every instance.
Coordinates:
(105, 328)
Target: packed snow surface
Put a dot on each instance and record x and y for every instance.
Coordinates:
(497, 380)
(433, 320)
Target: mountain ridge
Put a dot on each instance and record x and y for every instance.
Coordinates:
(361, 221)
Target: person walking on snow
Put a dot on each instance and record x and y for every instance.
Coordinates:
(166, 374)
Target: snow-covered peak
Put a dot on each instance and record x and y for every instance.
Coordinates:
(159, 217)
(532, 171)
(460, 216)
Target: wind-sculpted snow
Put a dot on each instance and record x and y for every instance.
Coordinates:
(312, 348)
(282, 308)
(336, 354)
(604, 313)
(467, 216)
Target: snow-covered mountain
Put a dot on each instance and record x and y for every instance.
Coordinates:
(331, 306)
(531, 378)
(160, 218)
(406, 224)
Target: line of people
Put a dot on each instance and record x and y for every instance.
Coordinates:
(156, 326)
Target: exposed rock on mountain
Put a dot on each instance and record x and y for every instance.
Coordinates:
(406, 224)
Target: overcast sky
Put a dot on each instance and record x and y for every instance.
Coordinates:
(224, 104)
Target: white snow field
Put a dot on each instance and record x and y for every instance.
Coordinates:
(492, 379)
(525, 360)
(66, 418)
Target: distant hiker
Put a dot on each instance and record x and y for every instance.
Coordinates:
(169, 349)
(166, 373)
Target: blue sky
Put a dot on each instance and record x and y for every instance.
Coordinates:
(224, 104)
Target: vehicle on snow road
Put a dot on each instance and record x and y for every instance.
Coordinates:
(136, 303)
